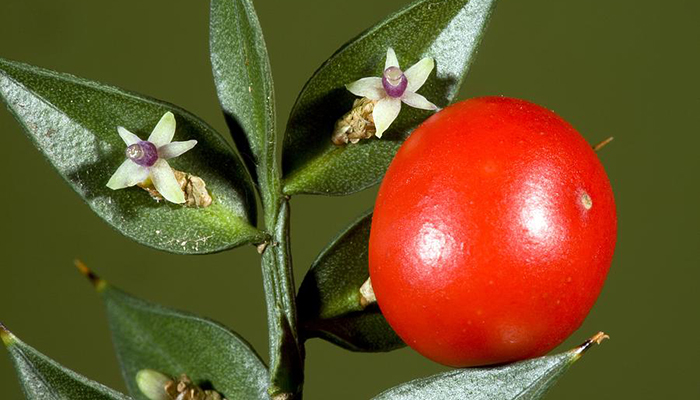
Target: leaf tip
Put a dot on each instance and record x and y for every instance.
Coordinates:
(602, 144)
(595, 339)
(96, 281)
(6, 336)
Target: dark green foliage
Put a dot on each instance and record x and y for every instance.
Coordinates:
(329, 297)
(449, 31)
(73, 122)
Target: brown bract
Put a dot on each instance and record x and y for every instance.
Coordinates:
(196, 193)
(357, 124)
(184, 389)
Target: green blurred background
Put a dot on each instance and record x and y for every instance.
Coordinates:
(627, 68)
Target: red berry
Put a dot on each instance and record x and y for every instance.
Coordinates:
(492, 234)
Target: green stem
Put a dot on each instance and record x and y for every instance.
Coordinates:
(286, 350)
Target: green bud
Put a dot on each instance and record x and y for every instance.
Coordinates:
(152, 384)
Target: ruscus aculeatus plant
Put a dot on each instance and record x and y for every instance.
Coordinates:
(211, 192)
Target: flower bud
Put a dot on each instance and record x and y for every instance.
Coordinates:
(152, 384)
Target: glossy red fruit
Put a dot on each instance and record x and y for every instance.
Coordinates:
(492, 233)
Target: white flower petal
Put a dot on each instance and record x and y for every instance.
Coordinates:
(391, 60)
(370, 88)
(164, 180)
(128, 174)
(163, 132)
(175, 149)
(417, 101)
(128, 137)
(419, 73)
(385, 112)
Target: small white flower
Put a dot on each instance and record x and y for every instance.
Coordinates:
(395, 86)
(146, 159)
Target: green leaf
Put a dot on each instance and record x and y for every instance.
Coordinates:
(149, 336)
(242, 75)
(74, 122)
(329, 299)
(44, 379)
(524, 380)
(449, 31)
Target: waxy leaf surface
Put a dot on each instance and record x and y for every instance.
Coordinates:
(524, 380)
(42, 378)
(74, 122)
(329, 297)
(449, 31)
(149, 336)
(243, 79)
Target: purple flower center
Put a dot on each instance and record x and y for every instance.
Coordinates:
(142, 153)
(394, 82)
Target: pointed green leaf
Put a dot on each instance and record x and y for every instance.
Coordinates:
(449, 31)
(42, 378)
(149, 336)
(329, 298)
(242, 75)
(74, 122)
(524, 380)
